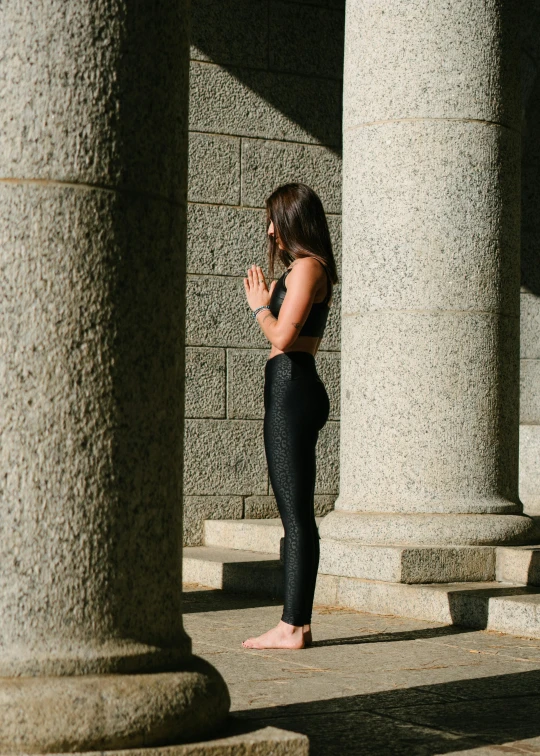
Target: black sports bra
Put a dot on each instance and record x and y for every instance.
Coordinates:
(316, 320)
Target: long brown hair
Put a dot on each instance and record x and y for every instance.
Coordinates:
(299, 220)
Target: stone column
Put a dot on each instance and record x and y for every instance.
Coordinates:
(430, 329)
(529, 432)
(93, 143)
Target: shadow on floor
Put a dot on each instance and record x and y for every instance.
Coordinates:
(470, 608)
(407, 635)
(424, 721)
(219, 601)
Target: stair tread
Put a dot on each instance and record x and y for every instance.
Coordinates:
(269, 522)
(222, 554)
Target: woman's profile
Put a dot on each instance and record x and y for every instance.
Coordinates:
(292, 314)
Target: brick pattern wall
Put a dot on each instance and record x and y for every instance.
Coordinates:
(265, 108)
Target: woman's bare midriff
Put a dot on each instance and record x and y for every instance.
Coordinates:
(302, 344)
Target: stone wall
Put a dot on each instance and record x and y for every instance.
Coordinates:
(265, 109)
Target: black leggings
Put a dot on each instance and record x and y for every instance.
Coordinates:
(296, 408)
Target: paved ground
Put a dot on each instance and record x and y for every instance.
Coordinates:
(375, 684)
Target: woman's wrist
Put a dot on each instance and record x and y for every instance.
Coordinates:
(257, 310)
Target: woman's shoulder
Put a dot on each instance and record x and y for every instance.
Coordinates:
(307, 264)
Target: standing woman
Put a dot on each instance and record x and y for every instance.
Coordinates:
(293, 316)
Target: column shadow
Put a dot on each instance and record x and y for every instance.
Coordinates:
(312, 101)
(426, 720)
(215, 600)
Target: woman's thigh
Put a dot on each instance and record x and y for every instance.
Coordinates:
(295, 412)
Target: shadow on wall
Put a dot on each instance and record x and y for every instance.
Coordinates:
(288, 53)
(432, 719)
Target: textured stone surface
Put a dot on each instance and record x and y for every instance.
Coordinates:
(518, 565)
(450, 61)
(224, 457)
(214, 169)
(250, 90)
(450, 247)
(334, 226)
(306, 38)
(141, 710)
(519, 615)
(233, 570)
(529, 468)
(93, 167)
(429, 400)
(328, 367)
(205, 382)
(259, 507)
(217, 314)
(230, 32)
(332, 334)
(530, 326)
(267, 164)
(248, 535)
(427, 529)
(399, 564)
(429, 414)
(105, 105)
(245, 374)
(197, 509)
(529, 398)
(375, 685)
(467, 604)
(91, 330)
(264, 104)
(246, 741)
(226, 240)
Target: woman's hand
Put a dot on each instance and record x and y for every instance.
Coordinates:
(257, 293)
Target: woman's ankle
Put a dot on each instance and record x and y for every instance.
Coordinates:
(291, 629)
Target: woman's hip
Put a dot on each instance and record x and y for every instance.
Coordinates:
(294, 392)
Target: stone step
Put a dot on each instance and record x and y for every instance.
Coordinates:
(397, 563)
(518, 564)
(262, 536)
(507, 608)
(233, 570)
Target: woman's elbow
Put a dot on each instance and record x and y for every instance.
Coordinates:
(285, 341)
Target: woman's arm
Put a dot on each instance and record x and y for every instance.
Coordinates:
(302, 284)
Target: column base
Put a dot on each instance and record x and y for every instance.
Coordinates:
(266, 741)
(111, 712)
(392, 528)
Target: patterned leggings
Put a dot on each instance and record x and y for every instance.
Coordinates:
(296, 408)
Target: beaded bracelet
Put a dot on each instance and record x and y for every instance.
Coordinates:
(254, 312)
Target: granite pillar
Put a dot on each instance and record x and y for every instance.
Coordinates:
(529, 432)
(93, 145)
(430, 313)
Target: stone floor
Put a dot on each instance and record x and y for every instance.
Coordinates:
(374, 684)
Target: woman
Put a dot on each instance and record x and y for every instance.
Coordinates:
(293, 316)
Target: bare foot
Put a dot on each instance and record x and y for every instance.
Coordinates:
(308, 638)
(281, 636)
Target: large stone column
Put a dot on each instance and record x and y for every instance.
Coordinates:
(93, 131)
(529, 433)
(430, 329)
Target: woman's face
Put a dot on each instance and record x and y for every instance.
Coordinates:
(271, 231)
